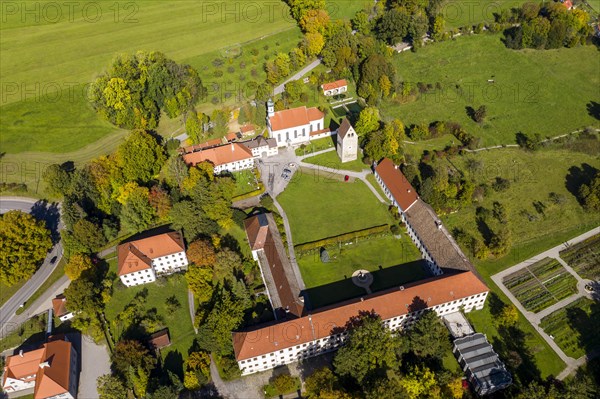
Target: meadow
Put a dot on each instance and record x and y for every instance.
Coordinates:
(459, 13)
(331, 159)
(320, 207)
(536, 222)
(534, 92)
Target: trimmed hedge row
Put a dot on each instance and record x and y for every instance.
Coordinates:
(309, 246)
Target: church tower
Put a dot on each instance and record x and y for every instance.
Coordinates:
(347, 142)
(270, 108)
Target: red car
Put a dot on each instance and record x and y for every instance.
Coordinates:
(346, 178)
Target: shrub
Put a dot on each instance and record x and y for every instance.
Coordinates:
(395, 229)
(501, 184)
(218, 62)
(304, 97)
(218, 73)
(230, 69)
(242, 65)
(254, 52)
(215, 100)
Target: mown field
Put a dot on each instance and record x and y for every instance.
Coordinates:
(575, 327)
(584, 257)
(319, 207)
(331, 159)
(545, 92)
(459, 13)
(541, 285)
(536, 223)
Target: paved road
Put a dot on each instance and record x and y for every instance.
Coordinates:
(279, 89)
(535, 319)
(41, 210)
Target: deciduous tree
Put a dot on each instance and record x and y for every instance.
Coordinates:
(428, 337)
(201, 253)
(76, 265)
(111, 387)
(24, 243)
(140, 157)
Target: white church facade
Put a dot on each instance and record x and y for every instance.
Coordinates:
(295, 126)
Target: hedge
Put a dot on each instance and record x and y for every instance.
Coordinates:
(309, 246)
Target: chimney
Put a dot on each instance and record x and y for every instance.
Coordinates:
(21, 353)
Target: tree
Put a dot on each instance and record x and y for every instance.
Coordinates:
(508, 317)
(323, 384)
(200, 282)
(201, 253)
(385, 85)
(84, 296)
(428, 337)
(189, 216)
(313, 43)
(284, 383)
(589, 194)
(439, 26)
(175, 171)
(195, 126)
(227, 262)
(226, 316)
(220, 120)
(165, 392)
(76, 265)
(57, 179)
(137, 213)
(393, 25)
(131, 354)
(111, 387)
(24, 243)
(368, 121)
(418, 28)
(136, 88)
(140, 157)
(480, 114)
(370, 348)
(293, 90)
(417, 382)
(314, 21)
(88, 235)
(172, 304)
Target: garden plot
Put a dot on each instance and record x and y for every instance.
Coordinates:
(584, 257)
(541, 285)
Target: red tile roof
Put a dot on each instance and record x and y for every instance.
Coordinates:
(219, 155)
(387, 304)
(401, 189)
(160, 339)
(289, 118)
(137, 255)
(247, 129)
(334, 85)
(59, 304)
(50, 380)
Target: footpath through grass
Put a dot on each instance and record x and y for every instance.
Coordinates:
(319, 207)
(575, 327)
(545, 92)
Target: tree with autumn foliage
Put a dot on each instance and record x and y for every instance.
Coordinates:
(77, 264)
(24, 243)
(201, 253)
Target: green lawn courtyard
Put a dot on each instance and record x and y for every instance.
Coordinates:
(542, 284)
(245, 182)
(179, 322)
(545, 92)
(319, 207)
(584, 257)
(575, 327)
(332, 160)
(393, 262)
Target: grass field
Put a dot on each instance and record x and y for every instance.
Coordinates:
(317, 145)
(533, 177)
(584, 257)
(320, 207)
(179, 322)
(458, 13)
(575, 327)
(332, 160)
(543, 92)
(541, 285)
(245, 182)
(33, 330)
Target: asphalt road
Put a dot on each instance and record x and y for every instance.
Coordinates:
(49, 212)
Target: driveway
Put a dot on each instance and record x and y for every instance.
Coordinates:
(95, 362)
(535, 318)
(279, 89)
(43, 211)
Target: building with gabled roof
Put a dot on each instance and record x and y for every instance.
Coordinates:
(59, 305)
(276, 270)
(295, 126)
(262, 147)
(231, 157)
(52, 371)
(140, 261)
(264, 347)
(335, 88)
(159, 339)
(347, 142)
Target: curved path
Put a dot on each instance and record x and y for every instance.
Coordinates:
(8, 319)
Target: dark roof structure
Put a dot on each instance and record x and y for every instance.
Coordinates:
(159, 339)
(283, 288)
(484, 370)
(344, 128)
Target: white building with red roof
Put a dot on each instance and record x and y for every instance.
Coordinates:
(295, 126)
(140, 261)
(335, 88)
(231, 157)
(59, 305)
(51, 370)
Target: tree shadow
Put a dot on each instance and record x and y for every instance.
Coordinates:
(208, 391)
(470, 112)
(174, 363)
(512, 347)
(495, 303)
(577, 176)
(593, 109)
(587, 326)
(48, 212)
(230, 242)
(417, 304)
